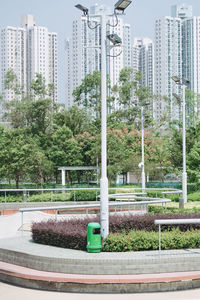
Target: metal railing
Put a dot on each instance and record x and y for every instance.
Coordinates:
(26, 192)
(173, 222)
(86, 206)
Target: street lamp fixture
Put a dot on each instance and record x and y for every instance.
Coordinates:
(82, 8)
(176, 79)
(178, 98)
(114, 38)
(122, 5)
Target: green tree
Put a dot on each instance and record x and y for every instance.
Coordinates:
(19, 156)
(64, 149)
(76, 119)
(88, 93)
(193, 163)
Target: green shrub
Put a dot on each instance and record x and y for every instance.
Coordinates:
(195, 196)
(142, 240)
(84, 195)
(49, 197)
(161, 210)
(11, 198)
(154, 194)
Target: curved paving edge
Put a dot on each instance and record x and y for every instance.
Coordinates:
(52, 281)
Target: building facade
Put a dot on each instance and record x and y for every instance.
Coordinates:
(177, 52)
(28, 50)
(168, 62)
(12, 57)
(143, 61)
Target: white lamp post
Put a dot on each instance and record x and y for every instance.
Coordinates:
(142, 137)
(121, 5)
(183, 83)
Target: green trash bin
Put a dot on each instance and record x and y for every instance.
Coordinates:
(94, 238)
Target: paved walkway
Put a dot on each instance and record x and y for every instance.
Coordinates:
(52, 268)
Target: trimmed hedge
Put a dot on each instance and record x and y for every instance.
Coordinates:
(173, 210)
(73, 233)
(142, 240)
(84, 195)
(126, 223)
(70, 234)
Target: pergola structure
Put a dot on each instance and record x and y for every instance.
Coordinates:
(76, 168)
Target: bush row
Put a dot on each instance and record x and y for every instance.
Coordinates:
(126, 223)
(85, 195)
(142, 240)
(73, 233)
(53, 197)
(153, 209)
(70, 234)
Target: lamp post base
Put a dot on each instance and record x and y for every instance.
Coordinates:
(104, 211)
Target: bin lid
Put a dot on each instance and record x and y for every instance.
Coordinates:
(94, 225)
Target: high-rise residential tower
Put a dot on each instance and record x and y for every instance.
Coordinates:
(168, 62)
(12, 57)
(28, 50)
(82, 50)
(177, 52)
(143, 61)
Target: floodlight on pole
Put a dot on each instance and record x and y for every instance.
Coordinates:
(122, 5)
(114, 38)
(178, 98)
(82, 8)
(176, 79)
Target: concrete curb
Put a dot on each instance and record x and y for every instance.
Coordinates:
(31, 278)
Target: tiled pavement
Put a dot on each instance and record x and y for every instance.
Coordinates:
(51, 268)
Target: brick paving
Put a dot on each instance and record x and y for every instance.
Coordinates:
(28, 264)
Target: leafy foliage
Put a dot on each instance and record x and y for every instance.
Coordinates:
(127, 233)
(142, 241)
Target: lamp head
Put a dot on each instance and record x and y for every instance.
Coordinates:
(178, 98)
(186, 81)
(122, 5)
(114, 38)
(82, 8)
(140, 165)
(176, 79)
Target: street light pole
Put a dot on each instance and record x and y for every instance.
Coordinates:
(104, 213)
(184, 176)
(121, 5)
(182, 82)
(142, 138)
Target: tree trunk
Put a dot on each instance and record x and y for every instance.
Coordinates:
(87, 177)
(78, 177)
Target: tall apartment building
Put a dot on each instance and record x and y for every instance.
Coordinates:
(143, 61)
(82, 50)
(28, 50)
(191, 52)
(12, 56)
(177, 52)
(168, 62)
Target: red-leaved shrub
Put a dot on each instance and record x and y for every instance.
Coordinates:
(73, 233)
